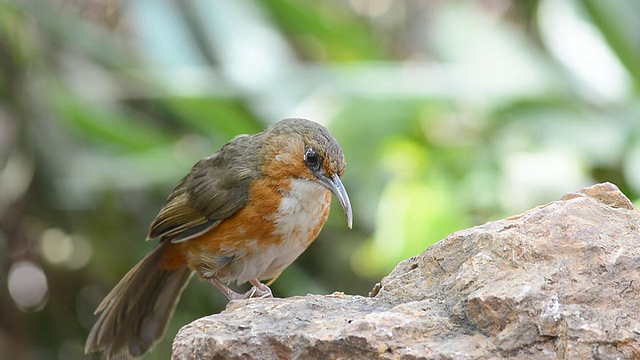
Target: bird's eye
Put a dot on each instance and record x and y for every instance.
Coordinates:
(312, 159)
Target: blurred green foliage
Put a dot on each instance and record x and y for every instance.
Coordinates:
(450, 113)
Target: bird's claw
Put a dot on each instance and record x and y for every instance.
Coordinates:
(259, 290)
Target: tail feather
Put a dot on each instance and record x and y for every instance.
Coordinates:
(135, 314)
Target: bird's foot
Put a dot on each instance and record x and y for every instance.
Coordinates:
(259, 290)
(230, 294)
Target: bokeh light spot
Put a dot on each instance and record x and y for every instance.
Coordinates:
(56, 246)
(60, 248)
(28, 285)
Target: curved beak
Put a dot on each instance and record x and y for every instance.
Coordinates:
(334, 184)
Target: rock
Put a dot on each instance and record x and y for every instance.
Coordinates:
(558, 281)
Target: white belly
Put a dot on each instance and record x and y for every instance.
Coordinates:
(301, 212)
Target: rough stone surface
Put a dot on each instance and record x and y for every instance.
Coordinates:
(558, 281)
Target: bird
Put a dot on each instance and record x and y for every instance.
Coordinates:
(243, 214)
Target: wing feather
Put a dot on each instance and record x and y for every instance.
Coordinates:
(215, 188)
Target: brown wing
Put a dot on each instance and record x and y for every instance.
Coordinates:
(215, 188)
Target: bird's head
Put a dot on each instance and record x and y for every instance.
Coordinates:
(303, 149)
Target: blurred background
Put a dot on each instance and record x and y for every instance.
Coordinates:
(450, 114)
